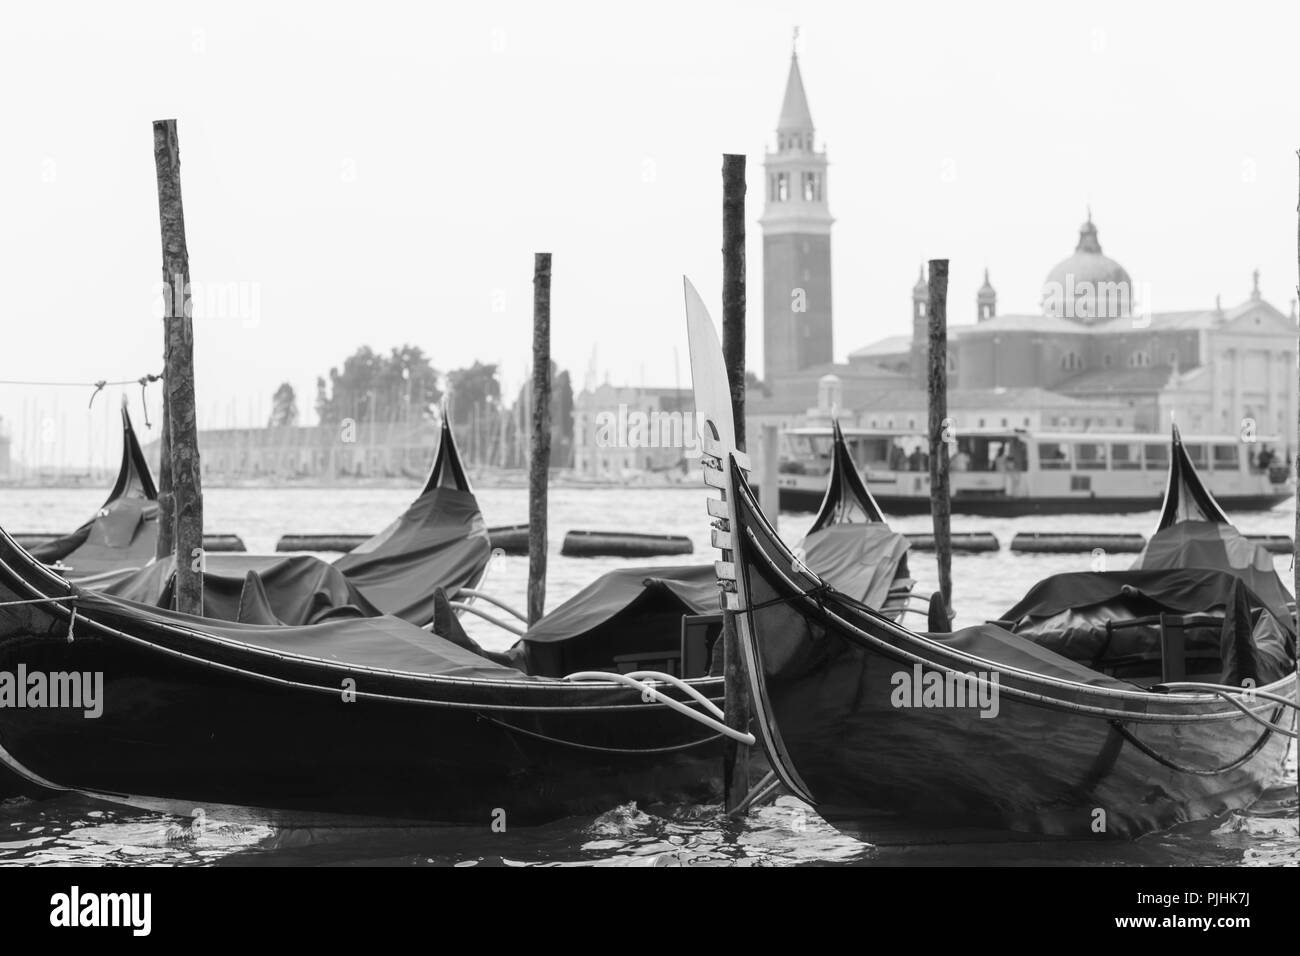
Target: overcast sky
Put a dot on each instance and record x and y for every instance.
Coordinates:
(379, 174)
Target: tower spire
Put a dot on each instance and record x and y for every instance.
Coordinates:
(795, 115)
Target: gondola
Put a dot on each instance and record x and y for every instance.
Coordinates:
(123, 533)
(356, 720)
(985, 729)
(440, 540)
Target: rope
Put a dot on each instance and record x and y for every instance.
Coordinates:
(44, 600)
(70, 598)
(650, 693)
(1230, 694)
(98, 386)
(596, 748)
(1196, 771)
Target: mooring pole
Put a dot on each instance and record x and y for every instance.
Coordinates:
(178, 376)
(540, 447)
(1295, 558)
(166, 499)
(940, 426)
(735, 773)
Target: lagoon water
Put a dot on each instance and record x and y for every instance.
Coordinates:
(74, 830)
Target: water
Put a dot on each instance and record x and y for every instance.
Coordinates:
(74, 830)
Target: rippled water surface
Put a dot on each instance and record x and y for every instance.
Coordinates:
(75, 830)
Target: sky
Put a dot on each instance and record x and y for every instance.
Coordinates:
(383, 173)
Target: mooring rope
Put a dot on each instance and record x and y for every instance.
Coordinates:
(1230, 694)
(69, 598)
(98, 386)
(596, 748)
(637, 680)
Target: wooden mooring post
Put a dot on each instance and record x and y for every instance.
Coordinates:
(180, 422)
(540, 447)
(940, 426)
(1295, 558)
(735, 774)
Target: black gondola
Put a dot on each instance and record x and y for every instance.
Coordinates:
(984, 728)
(440, 540)
(349, 720)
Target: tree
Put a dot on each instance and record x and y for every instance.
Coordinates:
(284, 407)
(471, 388)
(561, 415)
(400, 386)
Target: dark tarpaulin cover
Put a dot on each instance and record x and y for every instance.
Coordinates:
(1068, 613)
(296, 589)
(860, 560)
(441, 540)
(1003, 647)
(631, 610)
(1220, 547)
(378, 642)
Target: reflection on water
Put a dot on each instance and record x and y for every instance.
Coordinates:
(72, 830)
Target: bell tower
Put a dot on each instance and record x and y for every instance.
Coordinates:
(796, 227)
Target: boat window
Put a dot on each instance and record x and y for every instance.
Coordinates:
(1091, 456)
(1197, 454)
(1125, 456)
(1052, 454)
(1156, 457)
(1226, 457)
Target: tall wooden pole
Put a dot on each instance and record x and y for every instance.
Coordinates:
(178, 378)
(166, 499)
(735, 775)
(1295, 560)
(540, 447)
(940, 426)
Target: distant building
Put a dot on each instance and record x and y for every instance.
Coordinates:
(1210, 370)
(796, 227)
(1094, 356)
(319, 453)
(621, 431)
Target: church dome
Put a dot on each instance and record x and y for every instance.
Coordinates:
(1088, 286)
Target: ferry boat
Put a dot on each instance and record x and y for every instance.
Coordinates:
(1010, 472)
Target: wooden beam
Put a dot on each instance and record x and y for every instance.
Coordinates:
(735, 771)
(178, 378)
(540, 448)
(940, 425)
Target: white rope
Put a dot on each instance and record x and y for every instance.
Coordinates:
(482, 595)
(650, 693)
(506, 625)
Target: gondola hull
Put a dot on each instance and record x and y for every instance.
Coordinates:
(844, 707)
(1031, 768)
(189, 720)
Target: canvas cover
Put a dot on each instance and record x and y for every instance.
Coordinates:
(1009, 649)
(379, 642)
(628, 611)
(124, 532)
(441, 540)
(860, 560)
(1218, 547)
(1070, 614)
(293, 589)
